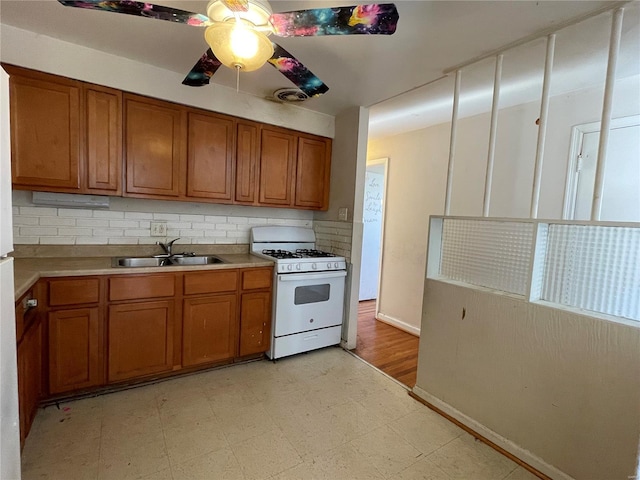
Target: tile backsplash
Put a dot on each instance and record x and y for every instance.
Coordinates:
(334, 237)
(128, 222)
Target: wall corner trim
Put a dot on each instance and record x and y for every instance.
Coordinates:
(505, 446)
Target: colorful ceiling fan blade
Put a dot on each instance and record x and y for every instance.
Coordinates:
(237, 5)
(295, 71)
(202, 70)
(376, 19)
(142, 9)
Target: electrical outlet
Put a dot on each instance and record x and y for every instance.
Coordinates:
(343, 214)
(158, 229)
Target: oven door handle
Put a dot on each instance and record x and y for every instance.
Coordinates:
(296, 277)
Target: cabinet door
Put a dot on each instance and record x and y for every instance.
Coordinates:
(209, 329)
(45, 133)
(255, 323)
(103, 139)
(277, 165)
(74, 356)
(210, 157)
(29, 377)
(247, 152)
(140, 339)
(312, 173)
(154, 147)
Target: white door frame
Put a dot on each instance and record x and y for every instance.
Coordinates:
(385, 162)
(577, 135)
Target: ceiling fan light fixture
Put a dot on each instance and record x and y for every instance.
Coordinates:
(239, 45)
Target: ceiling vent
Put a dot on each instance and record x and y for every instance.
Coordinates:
(290, 95)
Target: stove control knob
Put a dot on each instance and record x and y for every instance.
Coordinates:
(335, 265)
(289, 267)
(314, 266)
(298, 267)
(329, 265)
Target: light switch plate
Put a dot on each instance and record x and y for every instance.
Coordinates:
(343, 214)
(158, 229)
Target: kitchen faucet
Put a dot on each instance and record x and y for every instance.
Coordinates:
(167, 246)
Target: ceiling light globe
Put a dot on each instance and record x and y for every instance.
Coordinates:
(239, 46)
(243, 42)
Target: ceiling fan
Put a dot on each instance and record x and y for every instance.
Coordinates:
(237, 33)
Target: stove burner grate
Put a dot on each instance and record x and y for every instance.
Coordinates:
(279, 254)
(304, 252)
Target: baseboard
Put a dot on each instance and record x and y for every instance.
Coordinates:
(394, 322)
(523, 457)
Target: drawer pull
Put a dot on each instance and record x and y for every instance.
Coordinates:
(31, 303)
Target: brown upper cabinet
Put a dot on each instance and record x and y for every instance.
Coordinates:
(294, 169)
(154, 147)
(75, 137)
(210, 165)
(66, 135)
(247, 162)
(103, 139)
(277, 167)
(45, 131)
(312, 172)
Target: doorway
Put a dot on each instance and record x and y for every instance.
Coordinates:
(621, 193)
(386, 347)
(373, 228)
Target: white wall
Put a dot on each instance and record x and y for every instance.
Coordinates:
(416, 181)
(558, 389)
(417, 178)
(348, 165)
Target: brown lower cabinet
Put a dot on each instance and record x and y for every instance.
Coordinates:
(255, 326)
(255, 311)
(74, 349)
(140, 339)
(29, 376)
(208, 329)
(97, 331)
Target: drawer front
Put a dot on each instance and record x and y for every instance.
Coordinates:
(134, 287)
(74, 291)
(257, 278)
(210, 282)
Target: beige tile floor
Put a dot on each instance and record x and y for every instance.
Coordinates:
(321, 415)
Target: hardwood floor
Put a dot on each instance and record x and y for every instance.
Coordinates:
(390, 349)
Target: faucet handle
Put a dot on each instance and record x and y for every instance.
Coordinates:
(171, 241)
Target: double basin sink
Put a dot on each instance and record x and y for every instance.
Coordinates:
(165, 261)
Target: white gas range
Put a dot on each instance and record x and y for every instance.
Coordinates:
(308, 290)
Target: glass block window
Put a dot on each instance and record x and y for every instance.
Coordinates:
(595, 268)
(487, 253)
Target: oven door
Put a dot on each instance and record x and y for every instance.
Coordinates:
(308, 301)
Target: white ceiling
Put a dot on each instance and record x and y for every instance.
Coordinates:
(432, 36)
(580, 61)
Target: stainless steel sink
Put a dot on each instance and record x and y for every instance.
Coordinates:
(197, 260)
(165, 261)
